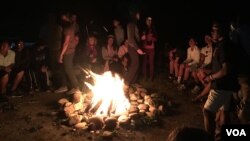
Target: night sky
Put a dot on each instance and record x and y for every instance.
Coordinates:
(174, 20)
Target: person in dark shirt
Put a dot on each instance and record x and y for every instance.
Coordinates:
(22, 62)
(223, 84)
(39, 67)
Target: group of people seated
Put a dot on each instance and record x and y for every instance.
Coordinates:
(218, 78)
(197, 64)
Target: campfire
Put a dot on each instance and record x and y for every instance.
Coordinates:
(110, 104)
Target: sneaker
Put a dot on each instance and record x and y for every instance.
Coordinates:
(170, 77)
(61, 90)
(72, 91)
(195, 90)
(181, 87)
(16, 94)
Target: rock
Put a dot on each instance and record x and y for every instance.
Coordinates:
(143, 94)
(77, 97)
(152, 109)
(141, 90)
(75, 119)
(81, 125)
(131, 90)
(107, 135)
(110, 124)
(133, 109)
(154, 95)
(151, 114)
(96, 123)
(134, 116)
(78, 106)
(137, 123)
(161, 109)
(143, 107)
(68, 104)
(62, 101)
(134, 103)
(149, 101)
(140, 101)
(132, 97)
(69, 110)
(123, 118)
(142, 111)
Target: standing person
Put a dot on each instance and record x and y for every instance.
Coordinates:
(223, 83)
(149, 39)
(134, 43)
(67, 54)
(118, 32)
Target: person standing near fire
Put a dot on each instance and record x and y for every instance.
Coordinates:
(133, 39)
(149, 39)
(71, 40)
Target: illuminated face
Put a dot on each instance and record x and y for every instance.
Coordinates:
(91, 41)
(110, 41)
(149, 21)
(137, 16)
(192, 42)
(115, 23)
(208, 39)
(4, 48)
(215, 35)
(20, 45)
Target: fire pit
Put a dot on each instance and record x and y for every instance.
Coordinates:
(110, 104)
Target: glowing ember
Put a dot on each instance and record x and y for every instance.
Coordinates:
(108, 95)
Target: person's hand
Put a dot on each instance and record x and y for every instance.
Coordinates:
(7, 69)
(44, 68)
(91, 55)
(139, 51)
(60, 60)
(143, 37)
(93, 60)
(207, 79)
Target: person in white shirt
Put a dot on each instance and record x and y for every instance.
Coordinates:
(7, 61)
(190, 64)
(201, 73)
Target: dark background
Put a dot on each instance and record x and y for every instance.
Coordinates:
(175, 20)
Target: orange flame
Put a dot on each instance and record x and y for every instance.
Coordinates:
(108, 92)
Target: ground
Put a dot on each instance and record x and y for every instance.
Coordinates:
(32, 118)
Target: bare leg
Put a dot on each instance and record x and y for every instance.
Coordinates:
(4, 82)
(17, 80)
(187, 72)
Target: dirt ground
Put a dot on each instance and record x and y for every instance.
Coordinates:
(33, 118)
